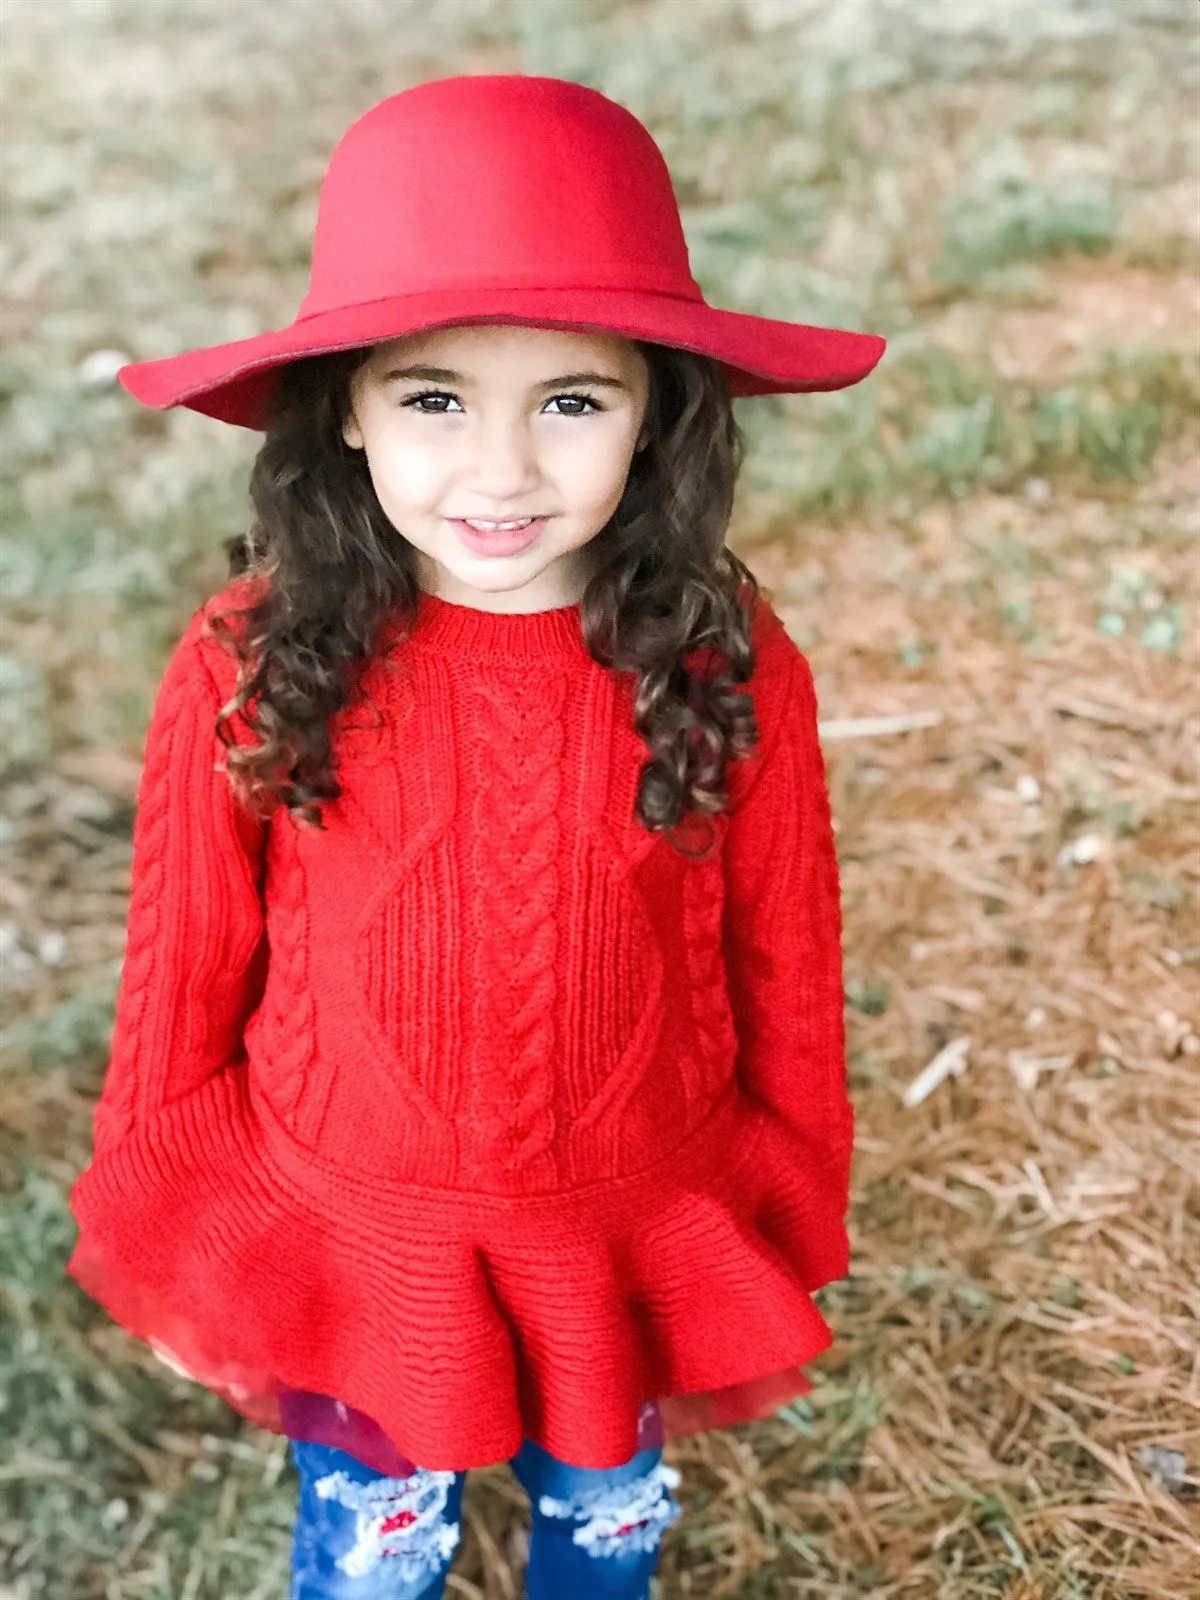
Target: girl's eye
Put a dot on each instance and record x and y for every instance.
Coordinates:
(575, 399)
(417, 402)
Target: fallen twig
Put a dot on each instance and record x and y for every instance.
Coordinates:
(951, 1059)
(869, 727)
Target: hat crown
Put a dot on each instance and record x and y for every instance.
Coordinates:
(496, 181)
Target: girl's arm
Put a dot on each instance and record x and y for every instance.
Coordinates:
(783, 927)
(195, 954)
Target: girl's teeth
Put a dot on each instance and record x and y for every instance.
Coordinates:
(496, 527)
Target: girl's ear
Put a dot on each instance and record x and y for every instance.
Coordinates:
(352, 433)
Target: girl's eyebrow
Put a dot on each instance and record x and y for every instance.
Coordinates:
(445, 375)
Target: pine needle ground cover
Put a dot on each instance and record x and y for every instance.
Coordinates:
(989, 554)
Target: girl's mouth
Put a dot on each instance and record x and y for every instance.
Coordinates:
(491, 539)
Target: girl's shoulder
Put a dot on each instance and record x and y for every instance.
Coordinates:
(782, 683)
(222, 614)
(238, 596)
(785, 703)
(204, 662)
(775, 651)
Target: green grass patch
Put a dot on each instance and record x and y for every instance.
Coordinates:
(933, 425)
(1004, 215)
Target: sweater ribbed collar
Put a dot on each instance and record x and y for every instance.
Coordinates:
(465, 633)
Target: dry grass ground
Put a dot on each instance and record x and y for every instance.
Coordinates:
(997, 534)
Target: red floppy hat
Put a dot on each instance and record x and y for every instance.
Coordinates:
(500, 198)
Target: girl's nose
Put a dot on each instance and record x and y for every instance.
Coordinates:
(505, 461)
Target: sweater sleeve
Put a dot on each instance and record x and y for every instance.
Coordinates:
(782, 930)
(195, 952)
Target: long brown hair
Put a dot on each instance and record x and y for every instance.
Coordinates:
(663, 585)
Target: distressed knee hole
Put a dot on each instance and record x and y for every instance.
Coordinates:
(621, 1518)
(400, 1520)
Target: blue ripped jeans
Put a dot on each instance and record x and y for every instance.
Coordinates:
(363, 1536)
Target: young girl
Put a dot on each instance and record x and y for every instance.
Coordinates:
(477, 1089)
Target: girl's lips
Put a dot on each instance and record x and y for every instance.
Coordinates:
(500, 543)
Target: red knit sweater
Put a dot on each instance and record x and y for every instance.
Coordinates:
(484, 1110)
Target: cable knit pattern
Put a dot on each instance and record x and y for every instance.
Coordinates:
(784, 863)
(703, 900)
(287, 1015)
(194, 914)
(514, 857)
(147, 904)
(481, 1109)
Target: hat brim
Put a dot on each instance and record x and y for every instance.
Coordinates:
(234, 382)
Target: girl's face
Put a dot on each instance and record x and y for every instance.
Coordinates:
(500, 423)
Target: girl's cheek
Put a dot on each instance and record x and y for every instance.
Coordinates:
(599, 467)
(412, 472)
